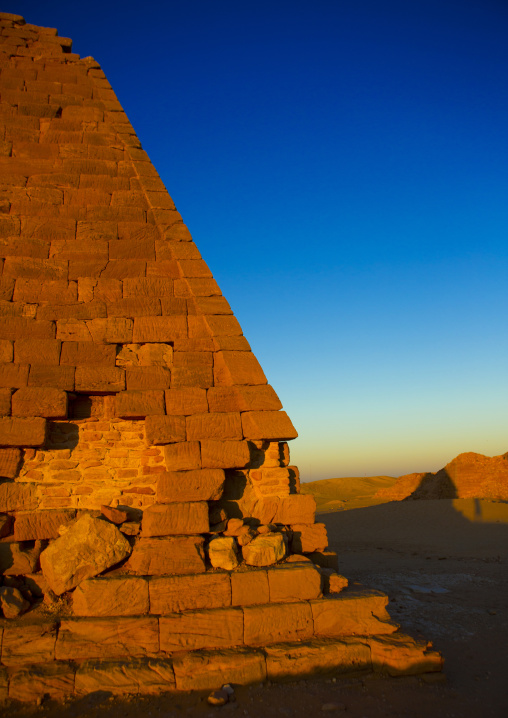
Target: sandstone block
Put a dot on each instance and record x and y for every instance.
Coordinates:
(159, 556)
(295, 509)
(147, 377)
(309, 538)
(294, 582)
(237, 367)
(99, 378)
(277, 622)
(194, 485)
(58, 377)
(175, 518)
(22, 432)
(40, 401)
(216, 628)
(183, 456)
(243, 398)
(116, 516)
(272, 425)
(87, 353)
(111, 596)
(223, 552)
(131, 307)
(89, 547)
(352, 613)
(165, 429)
(325, 559)
(401, 655)
(40, 524)
(6, 523)
(7, 352)
(13, 375)
(214, 426)
(249, 587)
(265, 550)
(82, 638)
(174, 594)
(113, 330)
(315, 657)
(17, 560)
(271, 481)
(37, 351)
(205, 670)
(12, 602)
(186, 400)
(224, 454)
(9, 463)
(139, 404)
(55, 680)
(138, 676)
(159, 329)
(29, 644)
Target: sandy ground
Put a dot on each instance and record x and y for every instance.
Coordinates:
(444, 566)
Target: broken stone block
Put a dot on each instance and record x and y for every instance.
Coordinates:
(116, 516)
(307, 538)
(352, 612)
(224, 454)
(272, 425)
(111, 596)
(265, 550)
(89, 547)
(400, 655)
(223, 552)
(159, 556)
(5, 525)
(172, 519)
(12, 602)
(18, 559)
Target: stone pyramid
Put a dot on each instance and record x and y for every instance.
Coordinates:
(152, 533)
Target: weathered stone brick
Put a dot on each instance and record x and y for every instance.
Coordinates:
(194, 485)
(278, 622)
(175, 518)
(67, 312)
(40, 401)
(31, 267)
(103, 637)
(91, 379)
(20, 328)
(88, 353)
(172, 555)
(111, 596)
(9, 463)
(22, 432)
(307, 538)
(37, 351)
(182, 456)
(147, 377)
(174, 594)
(13, 375)
(60, 377)
(217, 628)
(114, 330)
(295, 509)
(220, 454)
(196, 287)
(214, 426)
(205, 670)
(249, 588)
(159, 329)
(243, 398)
(134, 307)
(233, 367)
(29, 643)
(148, 287)
(5, 402)
(17, 496)
(40, 525)
(272, 425)
(352, 612)
(138, 404)
(164, 268)
(294, 582)
(185, 401)
(165, 429)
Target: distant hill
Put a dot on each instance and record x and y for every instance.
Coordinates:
(347, 493)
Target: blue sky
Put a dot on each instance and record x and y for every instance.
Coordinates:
(342, 166)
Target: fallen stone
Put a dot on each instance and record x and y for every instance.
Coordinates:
(116, 516)
(89, 547)
(218, 698)
(265, 550)
(5, 525)
(12, 602)
(16, 559)
(223, 552)
(336, 583)
(130, 528)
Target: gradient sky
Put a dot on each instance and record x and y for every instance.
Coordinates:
(343, 168)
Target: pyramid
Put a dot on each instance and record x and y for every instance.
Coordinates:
(153, 536)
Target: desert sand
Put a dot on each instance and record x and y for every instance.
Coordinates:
(444, 565)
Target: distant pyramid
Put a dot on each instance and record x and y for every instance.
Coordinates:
(144, 462)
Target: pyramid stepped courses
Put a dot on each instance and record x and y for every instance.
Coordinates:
(126, 382)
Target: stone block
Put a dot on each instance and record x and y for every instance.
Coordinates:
(13, 376)
(134, 307)
(277, 622)
(400, 655)
(174, 594)
(5, 402)
(34, 682)
(352, 613)
(186, 401)
(59, 377)
(83, 638)
(37, 351)
(183, 456)
(148, 287)
(160, 556)
(194, 630)
(99, 378)
(249, 588)
(294, 582)
(271, 425)
(325, 559)
(159, 329)
(140, 378)
(12, 602)
(9, 463)
(172, 519)
(243, 398)
(111, 596)
(16, 559)
(271, 481)
(139, 404)
(88, 353)
(196, 287)
(308, 538)
(111, 330)
(226, 454)
(6, 523)
(40, 401)
(265, 550)
(165, 429)
(89, 547)
(40, 524)
(295, 509)
(138, 676)
(14, 328)
(7, 353)
(29, 643)
(193, 485)
(22, 432)
(223, 552)
(237, 367)
(319, 656)
(214, 426)
(205, 670)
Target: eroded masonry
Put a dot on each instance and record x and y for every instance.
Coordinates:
(153, 536)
